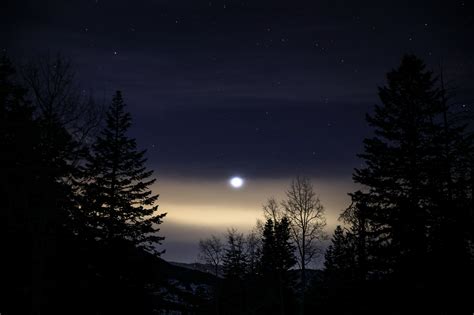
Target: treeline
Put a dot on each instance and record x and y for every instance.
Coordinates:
(79, 223)
(258, 270)
(406, 242)
(253, 271)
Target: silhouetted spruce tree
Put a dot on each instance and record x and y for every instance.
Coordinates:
(414, 197)
(277, 248)
(285, 250)
(361, 235)
(398, 160)
(268, 286)
(340, 256)
(235, 274)
(39, 195)
(452, 221)
(118, 202)
(19, 168)
(267, 261)
(234, 261)
(277, 259)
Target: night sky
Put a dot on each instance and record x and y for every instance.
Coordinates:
(265, 90)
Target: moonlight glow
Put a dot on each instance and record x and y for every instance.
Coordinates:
(236, 182)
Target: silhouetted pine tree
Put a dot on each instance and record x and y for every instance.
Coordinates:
(235, 268)
(413, 210)
(277, 250)
(361, 236)
(19, 165)
(340, 256)
(268, 261)
(277, 259)
(118, 203)
(398, 160)
(452, 220)
(37, 168)
(234, 261)
(285, 250)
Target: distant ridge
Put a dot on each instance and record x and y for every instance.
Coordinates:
(199, 267)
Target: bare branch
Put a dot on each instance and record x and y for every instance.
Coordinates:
(307, 221)
(211, 252)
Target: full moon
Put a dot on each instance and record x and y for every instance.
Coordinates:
(236, 182)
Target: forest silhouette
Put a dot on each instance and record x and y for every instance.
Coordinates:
(80, 225)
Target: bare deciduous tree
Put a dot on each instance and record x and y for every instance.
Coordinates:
(272, 210)
(307, 221)
(211, 251)
(57, 96)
